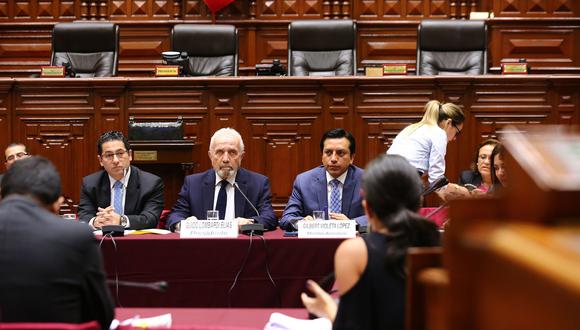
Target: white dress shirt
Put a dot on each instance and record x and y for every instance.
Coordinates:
(424, 148)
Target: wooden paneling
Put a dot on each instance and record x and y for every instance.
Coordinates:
(281, 118)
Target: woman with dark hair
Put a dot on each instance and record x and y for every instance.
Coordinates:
(480, 174)
(499, 176)
(370, 272)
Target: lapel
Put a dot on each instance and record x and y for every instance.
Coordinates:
(104, 191)
(320, 187)
(133, 191)
(348, 191)
(207, 192)
(239, 200)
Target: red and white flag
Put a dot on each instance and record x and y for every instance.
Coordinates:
(216, 5)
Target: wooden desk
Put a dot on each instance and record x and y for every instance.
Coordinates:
(280, 118)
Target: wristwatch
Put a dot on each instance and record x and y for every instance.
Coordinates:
(124, 221)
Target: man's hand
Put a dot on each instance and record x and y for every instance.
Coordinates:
(308, 218)
(105, 217)
(243, 221)
(338, 216)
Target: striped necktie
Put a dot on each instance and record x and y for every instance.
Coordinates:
(335, 202)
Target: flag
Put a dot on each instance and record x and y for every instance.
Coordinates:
(216, 5)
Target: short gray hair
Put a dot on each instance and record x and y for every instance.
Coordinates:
(227, 131)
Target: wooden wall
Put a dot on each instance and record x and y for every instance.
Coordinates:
(280, 119)
(546, 32)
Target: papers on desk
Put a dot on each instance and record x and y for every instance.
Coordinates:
(280, 321)
(161, 321)
(155, 231)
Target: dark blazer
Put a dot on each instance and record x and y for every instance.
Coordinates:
(143, 198)
(197, 193)
(310, 193)
(470, 177)
(50, 269)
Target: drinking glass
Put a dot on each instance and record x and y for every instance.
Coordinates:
(213, 215)
(318, 215)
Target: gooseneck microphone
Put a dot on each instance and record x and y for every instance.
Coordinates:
(160, 286)
(256, 228)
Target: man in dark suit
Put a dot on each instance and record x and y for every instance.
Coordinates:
(333, 187)
(13, 152)
(120, 194)
(219, 188)
(50, 268)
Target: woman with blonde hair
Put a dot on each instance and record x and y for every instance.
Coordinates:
(424, 144)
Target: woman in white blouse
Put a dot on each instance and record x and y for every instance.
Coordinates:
(424, 144)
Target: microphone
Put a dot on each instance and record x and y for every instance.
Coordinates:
(440, 182)
(256, 228)
(160, 286)
(69, 70)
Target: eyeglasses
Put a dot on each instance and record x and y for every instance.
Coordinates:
(458, 131)
(119, 153)
(17, 156)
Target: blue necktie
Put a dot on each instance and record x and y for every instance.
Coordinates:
(222, 199)
(118, 200)
(335, 203)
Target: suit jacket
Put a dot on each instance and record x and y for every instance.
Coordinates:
(470, 177)
(197, 194)
(50, 269)
(310, 193)
(143, 197)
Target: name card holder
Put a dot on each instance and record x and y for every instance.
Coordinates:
(166, 71)
(52, 71)
(373, 71)
(208, 229)
(394, 69)
(327, 229)
(514, 68)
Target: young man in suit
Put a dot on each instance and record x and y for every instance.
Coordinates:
(13, 152)
(219, 188)
(50, 269)
(333, 187)
(120, 194)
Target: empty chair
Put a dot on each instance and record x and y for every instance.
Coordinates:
(212, 49)
(322, 48)
(451, 47)
(91, 49)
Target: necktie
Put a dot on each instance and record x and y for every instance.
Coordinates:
(222, 199)
(335, 203)
(118, 199)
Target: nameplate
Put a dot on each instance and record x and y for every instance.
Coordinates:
(52, 71)
(166, 71)
(145, 155)
(394, 69)
(373, 71)
(208, 229)
(514, 68)
(327, 229)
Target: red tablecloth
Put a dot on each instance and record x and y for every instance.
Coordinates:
(201, 271)
(211, 318)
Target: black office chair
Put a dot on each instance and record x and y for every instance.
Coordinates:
(212, 49)
(322, 48)
(451, 47)
(91, 49)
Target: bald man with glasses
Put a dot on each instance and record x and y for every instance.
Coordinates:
(120, 194)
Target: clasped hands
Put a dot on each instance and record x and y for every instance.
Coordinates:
(332, 215)
(105, 217)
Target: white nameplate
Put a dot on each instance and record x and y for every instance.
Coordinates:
(208, 229)
(327, 229)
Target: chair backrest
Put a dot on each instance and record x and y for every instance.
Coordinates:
(451, 47)
(92, 49)
(212, 49)
(322, 48)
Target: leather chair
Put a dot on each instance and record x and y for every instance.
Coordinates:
(91, 49)
(212, 49)
(451, 47)
(322, 48)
